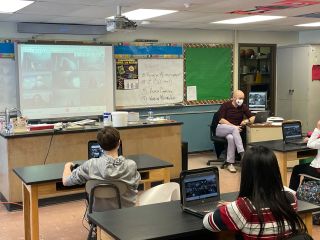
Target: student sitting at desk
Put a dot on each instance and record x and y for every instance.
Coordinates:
(109, 166)
(230, 125)
(312, 169)
(263, 209)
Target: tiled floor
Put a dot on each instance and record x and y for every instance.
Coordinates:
(64, 221)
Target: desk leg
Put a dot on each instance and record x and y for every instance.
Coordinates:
(26, 212)
(166, 175)
(102, 235)
(146, 186)
(30, 212)
(307, 219)
(282, 162)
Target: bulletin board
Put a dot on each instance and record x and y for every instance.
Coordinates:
(208, 73)
(148, 75)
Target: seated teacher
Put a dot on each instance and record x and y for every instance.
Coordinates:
(263, 210)
(231, 123)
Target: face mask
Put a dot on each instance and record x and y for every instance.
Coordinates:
(239, 102)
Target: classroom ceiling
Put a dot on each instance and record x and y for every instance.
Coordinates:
(192, 14)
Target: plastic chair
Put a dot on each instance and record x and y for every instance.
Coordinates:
(103, 195)
(307, 177)
(162, 193)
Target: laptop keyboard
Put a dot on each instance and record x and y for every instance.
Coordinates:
(206, 207)
(298, 141)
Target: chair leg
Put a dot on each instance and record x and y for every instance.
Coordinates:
(90, 232)
(224, 165)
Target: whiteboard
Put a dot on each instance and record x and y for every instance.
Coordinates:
(160, 82)
(8, 84)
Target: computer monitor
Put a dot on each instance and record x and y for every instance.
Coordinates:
(257, 101)
(95, 150)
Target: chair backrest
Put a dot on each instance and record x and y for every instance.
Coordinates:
(162, 193)
(300, 236)
(309, 177)
(104, 195)
(214, 124)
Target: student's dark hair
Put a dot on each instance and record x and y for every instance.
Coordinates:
(261, 183)
(108, 138)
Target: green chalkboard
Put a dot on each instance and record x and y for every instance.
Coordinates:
(210, 70)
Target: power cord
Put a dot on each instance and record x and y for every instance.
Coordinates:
(49, 147)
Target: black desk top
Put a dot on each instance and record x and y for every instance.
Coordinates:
(280, 146)
(159, 221)
(87, 129)
(53, 172)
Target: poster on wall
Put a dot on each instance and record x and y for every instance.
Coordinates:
(7, 50)
(127, 74)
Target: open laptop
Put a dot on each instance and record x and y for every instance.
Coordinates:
(292, 133)
(261, 117)
(199, 189)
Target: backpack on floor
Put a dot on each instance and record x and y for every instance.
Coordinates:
(309, 191)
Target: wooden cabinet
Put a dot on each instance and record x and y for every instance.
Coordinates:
(260, 133)
(162, 141)
(297, 93)
(257, 71)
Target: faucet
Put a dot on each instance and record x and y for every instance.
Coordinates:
(7, 116)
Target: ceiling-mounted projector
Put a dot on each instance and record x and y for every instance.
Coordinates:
(120, 23)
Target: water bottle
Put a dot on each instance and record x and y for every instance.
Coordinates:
(107, 119)
(150, 114)
(10, 127)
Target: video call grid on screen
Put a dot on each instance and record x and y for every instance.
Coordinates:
(257, 100)
(200, 187)
(292, 131)
(65, 80)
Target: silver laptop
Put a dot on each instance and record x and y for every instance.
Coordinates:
(200, 191)
(292, 133)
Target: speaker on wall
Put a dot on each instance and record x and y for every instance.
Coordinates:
(61, 28)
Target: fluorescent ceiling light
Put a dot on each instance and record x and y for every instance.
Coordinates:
(314, 24)
(142, 14)
(250, 19)
(11, 6)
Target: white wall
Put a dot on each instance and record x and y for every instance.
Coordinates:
(9, 31)
(203, 36)
(312, 36)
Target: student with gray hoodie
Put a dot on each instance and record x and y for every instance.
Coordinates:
(109, 166)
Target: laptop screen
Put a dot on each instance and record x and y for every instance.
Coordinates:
(200, 186)
(96, 151)
(292, 131)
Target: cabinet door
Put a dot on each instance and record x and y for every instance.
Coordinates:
(284, 73)
(284, 82)
(259, 134)
(301, 76)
